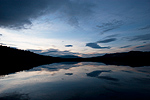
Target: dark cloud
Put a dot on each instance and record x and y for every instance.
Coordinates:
(2, 44)
(96, 46)
(145, 47)
(140, 37)
(126, 46)
(68, 45)
(114, 24)
(107, 40)
(8, 45)
(0, 34)
(17, 13)
(50, 51)
(140, 46)
(144, 28)
(126, 71)
(113, 35)
(20, 13)
(108, 78)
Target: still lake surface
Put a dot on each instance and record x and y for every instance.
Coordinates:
(77, 81)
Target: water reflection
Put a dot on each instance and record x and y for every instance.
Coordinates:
(77, 81)
(97, 73)
(109, 78)
(68, 73)
(14, 96)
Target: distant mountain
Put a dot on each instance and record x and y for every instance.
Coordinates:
(69, 56)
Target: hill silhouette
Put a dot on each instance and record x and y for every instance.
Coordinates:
(132, 58)
(13, 60)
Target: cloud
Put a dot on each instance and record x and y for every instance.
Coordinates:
(126, 46)
(140, 46)
(145, 47)
(144, 28)
(105, 27)
(96, 46)
(107, 40)
(17, 13)
(20, 13)
(140, 37)
(54, 52)
(2, 44)
(0, 34)
(68, 45)
(113, 35)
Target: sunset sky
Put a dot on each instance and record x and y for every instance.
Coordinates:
(75, 27)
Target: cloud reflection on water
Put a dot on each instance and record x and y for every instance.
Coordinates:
(84, 80)
(97, 73)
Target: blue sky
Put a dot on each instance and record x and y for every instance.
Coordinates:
(76, 27)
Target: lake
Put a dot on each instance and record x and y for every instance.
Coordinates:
(77, 81)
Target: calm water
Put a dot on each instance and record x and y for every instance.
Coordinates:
(77, 81)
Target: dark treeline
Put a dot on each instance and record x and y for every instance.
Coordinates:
(132, 58)
(13, 60)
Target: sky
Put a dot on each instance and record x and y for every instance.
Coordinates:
(83, 28)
